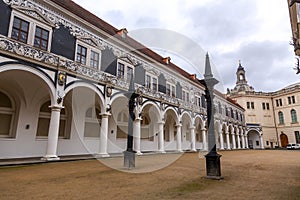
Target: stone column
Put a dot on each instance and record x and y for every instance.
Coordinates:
(178, 138)
(228, 140)
(137, 135)
(243, 139)
(193, 138)
(204, 139)
(246, 141)
(51, 153)
(221, 140)
(261, 141)
(233, 141)
(238, 139)
(161, 147)
(103, 136)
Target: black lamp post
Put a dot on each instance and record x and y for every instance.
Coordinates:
(213, 166)
(129, 154)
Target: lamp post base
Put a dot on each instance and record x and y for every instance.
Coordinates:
(213, 166)
(129, 159)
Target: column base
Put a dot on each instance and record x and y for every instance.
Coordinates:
(50, 158)
(161, 151)
(194, 150)
(179, 151)
(101, 155)
(139, 153)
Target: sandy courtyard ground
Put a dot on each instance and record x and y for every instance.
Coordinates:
(248, 174)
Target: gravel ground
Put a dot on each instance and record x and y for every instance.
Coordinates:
(248, 174)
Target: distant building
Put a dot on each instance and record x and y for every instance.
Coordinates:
(64, 79)
(272, 118)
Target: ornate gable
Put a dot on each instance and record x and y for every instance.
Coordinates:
(35, 13)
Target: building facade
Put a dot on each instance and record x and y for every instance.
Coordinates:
(294, 11)
(271, 117)
(64, 79)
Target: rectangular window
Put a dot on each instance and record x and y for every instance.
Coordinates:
(129, 73)
(81, 54)
(168, 92)
(183, 95)
(41, 38)
(154, 84)
(289, 100)
(293, 99)
(263, 106)
(173, 91)
(20, 30)
(148, 82)
(277, 102)
(121, 71)
(268, 106)
(280, 102)
(252, 105)
(297, 137)
(94, 61)
(248, 105)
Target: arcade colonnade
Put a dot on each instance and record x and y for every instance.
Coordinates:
(81, 117)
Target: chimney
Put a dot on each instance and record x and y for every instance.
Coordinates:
(193, 76)
(167, 60)
(122, 32)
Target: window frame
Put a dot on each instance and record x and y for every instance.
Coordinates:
(95, 118)
(126, 66)
(294, 116)
(33, 24)
(152, 84)
(89, 50)
(185, 95)
(12, 112)
(280, 117)
(172, 89)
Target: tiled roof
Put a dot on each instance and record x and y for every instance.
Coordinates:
(96, 21)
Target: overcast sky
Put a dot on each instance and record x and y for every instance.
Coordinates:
(257, 32)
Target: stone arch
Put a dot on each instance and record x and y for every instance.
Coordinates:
(253, 138)
(78, 84)
(10, 66)
(155, 106)
(199, 126)
(172, 109)
(187, 123)
(170, 127)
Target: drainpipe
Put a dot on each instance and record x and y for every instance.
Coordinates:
(278, 144)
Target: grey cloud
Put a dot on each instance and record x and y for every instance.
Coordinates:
(224, 21)
(267, 65)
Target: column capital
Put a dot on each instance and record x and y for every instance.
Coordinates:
(161, 122)
(178, 125)
(138, 119)
(56, 107)
(192, 127)
(203, 129)
(105, 115)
